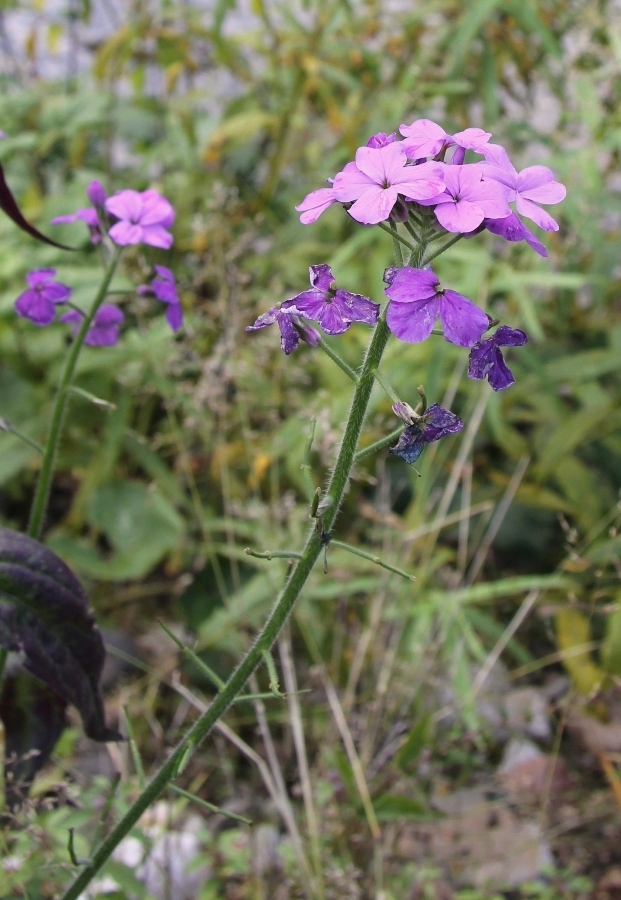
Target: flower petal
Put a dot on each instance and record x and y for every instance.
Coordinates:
(413, 322)
(409, 284)
(463, 322)
(459, 218)
(321, 277)
(423, 138)
(374, 205)
(500, 375)
(39, 276)
(32, 305)
(124, 234)
(356, 307)
(537, 183)
(289, 338)
(125, 205)
(174, 316)
(309, 304)
(539, 216)
(410, 445)
(156, 236)
(510, 337)
(314, 204)
(350, 184)
(440, 422)
(331, 320)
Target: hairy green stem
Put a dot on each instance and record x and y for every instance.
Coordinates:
(276, 621)
(337, 359)
(42, 493)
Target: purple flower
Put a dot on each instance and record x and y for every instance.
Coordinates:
(334, 308)
(38, 303)
(486, 357)
(314, 204)
(434, 424)
(97, 195)
(307, 332)
(527, 188)
(379, 176)
(467, 200)
(513, 229)
(144, 217)
(289, 337)
(381, 140)
(424, 138)
(418, 300)
(104, 330)
(164, 288)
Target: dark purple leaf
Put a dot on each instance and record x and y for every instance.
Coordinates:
(33, 717)
(9, 205)
(44, 613)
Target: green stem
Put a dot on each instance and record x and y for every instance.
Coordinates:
(39, 503)
(337, 359)
(379, 445)
(276, 621)
(444, 247)
(399, 237)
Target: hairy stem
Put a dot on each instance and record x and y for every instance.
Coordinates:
(272, 628)
(46, 472)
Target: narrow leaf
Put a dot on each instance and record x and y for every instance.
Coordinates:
(8, 205)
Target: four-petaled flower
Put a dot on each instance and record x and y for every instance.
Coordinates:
(38, 303)
(164, 288)
(334, 308)
(432, 425)
(486, 357)
(527, 188)
(379, 176)
(289, 337)
(104, 329)
(467, 199)
(416, 302)
(425, 138)
(144, 218)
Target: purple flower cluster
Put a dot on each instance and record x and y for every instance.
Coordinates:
(138, 217)
(387, 173)
(408, 181)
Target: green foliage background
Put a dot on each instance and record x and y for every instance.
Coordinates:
(235, 118)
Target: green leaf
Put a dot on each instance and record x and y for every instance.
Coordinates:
(418, 738)
(392, 806)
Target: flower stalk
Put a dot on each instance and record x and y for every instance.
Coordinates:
(46, 472)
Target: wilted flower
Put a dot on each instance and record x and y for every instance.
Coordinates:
(527, 188)
(104, 329)
(164, 288)
(486, 357)
(38, 303)
(434, 424)
(379, 176)
(418, 301)
(144, 217)
(334, 308)
(289, 337)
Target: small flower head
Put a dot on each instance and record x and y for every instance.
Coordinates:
(164, 288)
(289, 337)
(104, 329)
(513, 229)
(96, 193)
(425, 138)
(381, 139)
(486, 357)
(468, 200)
(418, 301)
(379, 176)
(433, 425)
(144, 218)
(38, 303)
(527, 188)
(334, 308)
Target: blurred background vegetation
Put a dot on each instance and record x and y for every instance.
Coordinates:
(234, 111)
